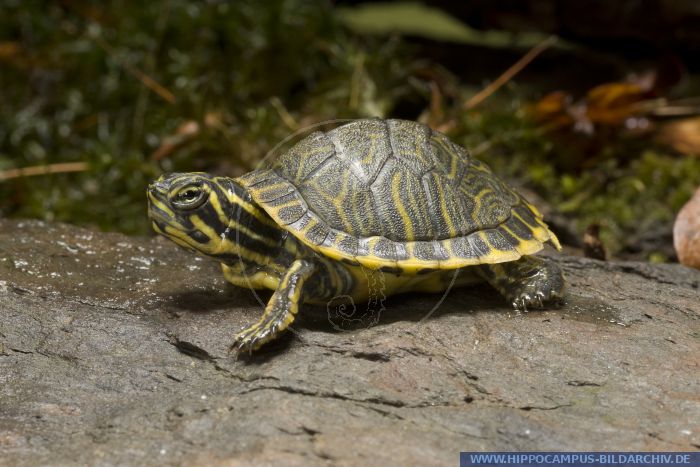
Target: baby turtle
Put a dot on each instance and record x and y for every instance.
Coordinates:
(372, 197)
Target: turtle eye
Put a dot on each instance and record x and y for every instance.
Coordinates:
(190, 197)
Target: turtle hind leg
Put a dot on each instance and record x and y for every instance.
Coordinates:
(529, 282)
(280, 310)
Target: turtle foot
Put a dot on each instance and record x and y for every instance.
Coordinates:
(539, 287)
(528, 283)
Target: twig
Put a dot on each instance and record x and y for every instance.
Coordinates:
(149, 66)
(687, 107)
(147, 81)
(63, 167)
(356, 81)
(507, 75)
(284, 114)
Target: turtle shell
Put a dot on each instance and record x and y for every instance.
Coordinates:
(394, 194)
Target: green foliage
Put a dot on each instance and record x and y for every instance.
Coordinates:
(626, 195)
(418, 19)
(70, 93)
(79, 82)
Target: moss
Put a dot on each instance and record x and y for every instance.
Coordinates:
(628, 190)
(242, 76)
(235, 69)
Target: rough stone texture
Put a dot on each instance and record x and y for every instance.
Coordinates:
(114, 350)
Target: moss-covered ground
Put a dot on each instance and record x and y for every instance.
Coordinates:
(132, 91)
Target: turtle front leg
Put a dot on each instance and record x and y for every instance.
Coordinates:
(529, 282)
(280, 310)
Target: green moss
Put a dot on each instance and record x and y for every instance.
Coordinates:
(249, 74)
(627, 191)
(70, 94)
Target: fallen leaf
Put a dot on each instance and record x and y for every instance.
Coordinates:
(682, 135)
(613, 103)
(184, 133)
(9, 49)
(609, 104)
(686, 232)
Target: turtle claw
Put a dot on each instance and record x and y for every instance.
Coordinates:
(249, 339)
(521, 303)
(529, 283)
(279, 312)
(539, 299)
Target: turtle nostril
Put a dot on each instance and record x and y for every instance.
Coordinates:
(159, 186)
(165, 182)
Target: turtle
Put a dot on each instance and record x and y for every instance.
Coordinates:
(371, 199)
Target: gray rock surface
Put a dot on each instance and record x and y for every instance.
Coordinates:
(114, 350)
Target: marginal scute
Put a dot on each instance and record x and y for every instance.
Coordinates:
(461, 248)
(291, 197)
(275, 192)
(258, 177)
(478, 245)
(519, 228)
(348, 245)
(442, 250)
(291, 214)
(391, 269)
(385, 249)
(317, 234)
(395, 194)
(363, 247)
(498, 241)
(508, 237)
(424, 250)
(401, 252)
(331, 239)
(303, 223)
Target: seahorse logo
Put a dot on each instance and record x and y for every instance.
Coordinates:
(343, 313)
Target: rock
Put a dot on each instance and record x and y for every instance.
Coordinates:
(686, 232)
(114, 350)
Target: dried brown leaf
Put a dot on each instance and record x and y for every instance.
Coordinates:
(682, 135)
(686, 232)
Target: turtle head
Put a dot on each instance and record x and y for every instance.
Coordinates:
(195, 210)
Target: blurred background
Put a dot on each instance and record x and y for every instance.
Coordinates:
(590, 108)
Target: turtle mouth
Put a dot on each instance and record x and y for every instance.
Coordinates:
(157, 208)
(159, 217)
(159, 226)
